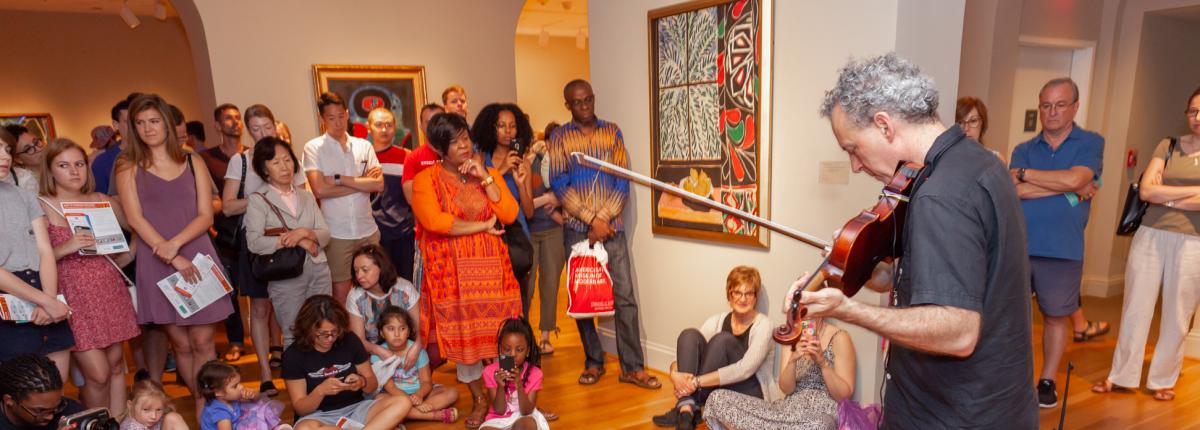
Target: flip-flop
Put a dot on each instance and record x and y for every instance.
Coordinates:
(591, 375)
(1164, 395)
(645, 380)
(549, 416)
(234, 353)
(546, 347)
(276, 360)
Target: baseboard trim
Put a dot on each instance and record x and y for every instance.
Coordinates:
(1103, 286)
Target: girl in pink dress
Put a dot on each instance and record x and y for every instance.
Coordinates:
(95, 290)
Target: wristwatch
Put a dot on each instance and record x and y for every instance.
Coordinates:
(1021, 175)
(337, 179)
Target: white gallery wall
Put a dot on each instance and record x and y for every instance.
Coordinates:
(679, 281)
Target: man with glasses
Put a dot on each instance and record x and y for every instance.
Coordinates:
(595, 202)
(1061, 160)
(32, 394)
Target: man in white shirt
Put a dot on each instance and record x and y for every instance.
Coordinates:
(343, 172)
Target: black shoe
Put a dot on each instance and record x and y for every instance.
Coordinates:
(668, 419)
(687, 421)
(268, 388)
(1047, 397)
(140, 375)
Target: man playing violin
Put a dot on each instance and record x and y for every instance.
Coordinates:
(959, 328)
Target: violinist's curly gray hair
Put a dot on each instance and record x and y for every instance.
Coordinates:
(885, 83)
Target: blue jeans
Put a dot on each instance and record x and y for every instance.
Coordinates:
(629, 343)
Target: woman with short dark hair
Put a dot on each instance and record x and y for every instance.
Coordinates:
(467, 271)
(280, 204)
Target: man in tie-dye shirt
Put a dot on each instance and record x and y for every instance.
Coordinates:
(594, 202)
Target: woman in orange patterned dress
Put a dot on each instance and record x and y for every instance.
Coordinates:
(468, 288)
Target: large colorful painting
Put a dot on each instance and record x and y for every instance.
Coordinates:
(364, 88)
(710, 86)
(41, 125)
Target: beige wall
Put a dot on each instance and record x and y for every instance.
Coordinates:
(467, 42)
(679, 281)
(76, 66)
(541, 74)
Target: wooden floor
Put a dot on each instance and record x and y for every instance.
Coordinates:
(613, 405)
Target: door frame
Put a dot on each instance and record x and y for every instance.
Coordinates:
(1083, 60)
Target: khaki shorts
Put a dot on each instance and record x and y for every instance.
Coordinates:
(341, 251)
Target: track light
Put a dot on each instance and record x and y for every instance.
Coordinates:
(127, 15)
(580, 40)
(160, 11)
(544, 38)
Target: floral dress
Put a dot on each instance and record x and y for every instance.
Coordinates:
(809, 407)
(101, 309)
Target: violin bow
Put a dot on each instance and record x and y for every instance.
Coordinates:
(640, 179)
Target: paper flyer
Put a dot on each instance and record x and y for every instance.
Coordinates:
(16, 309)
(188, 298)
(99, 219)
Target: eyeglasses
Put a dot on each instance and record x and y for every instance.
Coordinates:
(1191, 113)
(971, 122)
(328, 334)
(1048, 107)
(744, 294)
(62, 406)
(584, 101)
(36, 147)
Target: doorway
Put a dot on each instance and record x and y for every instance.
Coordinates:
(1038, 61)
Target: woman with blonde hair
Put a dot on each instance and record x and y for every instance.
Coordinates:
(103, 318)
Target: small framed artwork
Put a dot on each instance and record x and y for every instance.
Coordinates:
(400, 89)
(710, 109)
(40, 124)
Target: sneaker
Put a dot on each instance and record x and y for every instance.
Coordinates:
(1047, 397)
(170, 367)
(668, 419)
(687, 421)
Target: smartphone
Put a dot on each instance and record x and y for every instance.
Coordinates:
(808, 328)
(518, 146)
(508, 362)
(91, 250)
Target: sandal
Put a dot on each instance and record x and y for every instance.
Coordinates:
(591, 375)
(1092, 330)
(234, 353)
(1164, 395)
(276, 360)
(549, 416)
(268, 388)
(1105, 386)
(641, 379)
(546, 347)
(478, 413)
(449, 415)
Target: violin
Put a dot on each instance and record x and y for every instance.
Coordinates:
(872, 237)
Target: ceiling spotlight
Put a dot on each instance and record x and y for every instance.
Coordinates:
(544, 38)
(580, 40)
(127, 15)
(160, 11)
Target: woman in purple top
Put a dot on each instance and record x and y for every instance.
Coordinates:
(171, 212)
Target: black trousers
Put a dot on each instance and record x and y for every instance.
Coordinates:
(696, 355)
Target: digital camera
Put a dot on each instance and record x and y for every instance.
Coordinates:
(91, 419)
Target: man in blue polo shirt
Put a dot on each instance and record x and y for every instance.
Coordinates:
(1055, 174)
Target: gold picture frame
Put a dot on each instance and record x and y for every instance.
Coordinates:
(400, 88)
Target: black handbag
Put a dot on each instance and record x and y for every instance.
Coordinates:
(1135, 207)
(284, 263)
(226, 227)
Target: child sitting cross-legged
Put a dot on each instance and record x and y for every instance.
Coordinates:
(431, 402)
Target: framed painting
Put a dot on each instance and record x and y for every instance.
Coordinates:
(40, 124)
(710, 86)
(364, 88)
